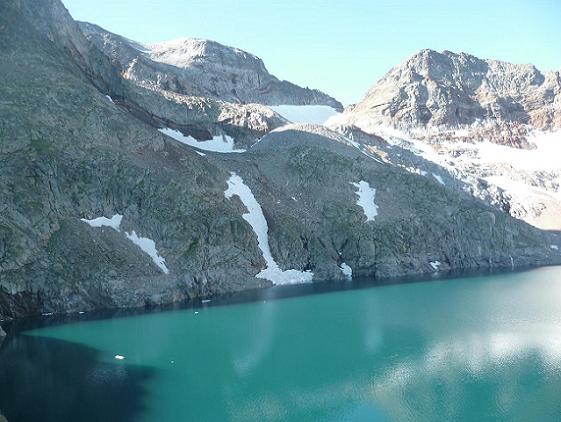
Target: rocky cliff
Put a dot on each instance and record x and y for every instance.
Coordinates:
(436, 94)
(100, 208)
(197, 67)
(490, 124)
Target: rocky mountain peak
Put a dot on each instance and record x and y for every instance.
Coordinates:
(186, 52)
(198, 67)
(459, 91)
(490, 123)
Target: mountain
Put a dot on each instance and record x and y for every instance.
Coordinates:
(489, 124)
(197, 67)
(102, 209)
(481, 99)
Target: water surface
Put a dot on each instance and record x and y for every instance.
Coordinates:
(472, 349)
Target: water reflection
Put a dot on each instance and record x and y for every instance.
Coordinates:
(52, 380)
(475, 349)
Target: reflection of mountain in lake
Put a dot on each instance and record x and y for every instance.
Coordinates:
(53, 380)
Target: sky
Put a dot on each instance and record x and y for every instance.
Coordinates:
(342, 47)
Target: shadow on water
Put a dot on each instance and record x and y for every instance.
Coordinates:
(43, 379)
(253, 295)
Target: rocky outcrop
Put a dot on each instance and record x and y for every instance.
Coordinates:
(493, 126)
(100, 209)
(435, 94)
(203, 68)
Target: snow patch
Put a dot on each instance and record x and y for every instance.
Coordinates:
(438, 179)
(256, 219)
(318, 114)
(148, 246)
(220, 143)
(366, 196)
(544, 157)
(347, 271)
(435, 265)
(554, 247)
(113, 222)
(110, 99)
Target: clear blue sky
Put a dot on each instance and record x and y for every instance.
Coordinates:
(342, 47)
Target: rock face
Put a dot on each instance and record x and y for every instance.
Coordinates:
(100, 209)
(489, 124)
(439, 92)
(196, 67)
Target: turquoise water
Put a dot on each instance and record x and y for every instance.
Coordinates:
(472, 349)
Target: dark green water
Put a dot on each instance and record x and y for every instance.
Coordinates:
(472, 349)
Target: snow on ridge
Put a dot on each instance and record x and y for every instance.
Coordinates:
(544, 157)
(220, 143)
(113, 222)
(366, 196)
(256, 219)
(147, 245)
(347, 271)
(439, 179)
(318, 114)
(554, 247)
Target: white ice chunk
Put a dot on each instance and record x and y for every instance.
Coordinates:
(148, 246)
(220, 143)
(113, 222)
(347, 271)
(119, 357)
(366, 196)
(110, 99)
(256, 219)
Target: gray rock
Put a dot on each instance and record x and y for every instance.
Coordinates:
(67, 153)
(196, 67)
(487, 99)
(454, 103)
